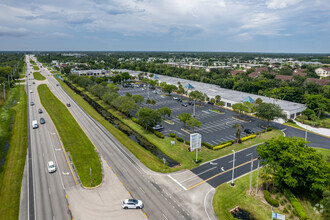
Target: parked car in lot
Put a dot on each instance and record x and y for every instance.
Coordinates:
(248, 131)
(158, 127)
(68, 104)
(132, 204)
(51, 167)
(42, 121)
(190, 103)
(179, 100)
(184, 104)
(40, 110)
(175, 98)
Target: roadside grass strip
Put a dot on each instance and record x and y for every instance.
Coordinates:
(228, 197)
(11, 177)
(36, 68)
(75, 141)
(147, 158)
(38, 76)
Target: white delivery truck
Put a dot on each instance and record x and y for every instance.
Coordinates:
(35, 124)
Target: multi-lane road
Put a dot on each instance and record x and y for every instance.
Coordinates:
(182, 195)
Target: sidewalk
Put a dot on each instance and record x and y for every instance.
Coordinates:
(322, 131)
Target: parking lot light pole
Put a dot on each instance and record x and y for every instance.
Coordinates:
(194, 108)
(306, 134)
(232, 177)
(251, 173)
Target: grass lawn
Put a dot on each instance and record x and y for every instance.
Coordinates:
(36, 68)
(75, 141)
(38, 76)
(179, 151)
(11, 178)
(293, 124)
(325, 153)
(228, 197)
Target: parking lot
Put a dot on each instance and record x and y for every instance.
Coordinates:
(215, 127)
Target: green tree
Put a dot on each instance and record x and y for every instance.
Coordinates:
(296, 165)
(148, 101)
(109, 96)
(217, 99)
(238, 107)
(193, 122)
(184, 117)
(124, 104)
(258, 101)
(248, 107)
(238, 132)
(169, 88)
(149, 117)
(326, 204)
(269, 111)
(153, 102)
(212, 101)
(317, 103)
(138, 99)
(165, 111)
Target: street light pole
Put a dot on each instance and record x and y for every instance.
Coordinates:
(251, 173)
(257, 177)
(306, 134)
(194, 107)
(232, 177)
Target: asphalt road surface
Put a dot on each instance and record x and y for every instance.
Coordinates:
(46, 195)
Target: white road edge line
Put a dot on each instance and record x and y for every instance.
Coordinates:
(59, 173)
(165, 216)
(205, 202)
(177, 183)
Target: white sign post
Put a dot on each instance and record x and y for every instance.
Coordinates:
(195, 143)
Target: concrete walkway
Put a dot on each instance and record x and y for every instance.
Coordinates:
(322, 131)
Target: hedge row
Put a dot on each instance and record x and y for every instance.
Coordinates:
(248, 137)
(222, 146)
(209, 146)
(157, 133)
(296, 204)
(270, 200)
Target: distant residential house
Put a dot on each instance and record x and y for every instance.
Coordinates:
(235, 72)
(321, 82)
(260, 69)
(284, 77)
(323, 71)
(299, 72)
(254, 74)
(257, 72)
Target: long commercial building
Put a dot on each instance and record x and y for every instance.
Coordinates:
(228, 96)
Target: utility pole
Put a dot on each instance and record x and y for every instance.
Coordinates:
(232, 177)
(194, 107)
(306, 134)
(251, 173)
(257, 178)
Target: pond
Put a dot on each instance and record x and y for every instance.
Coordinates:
(241, 214)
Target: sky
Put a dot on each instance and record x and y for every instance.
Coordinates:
(279, 26)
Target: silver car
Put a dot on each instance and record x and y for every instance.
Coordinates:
(132, 204)
(51, 167)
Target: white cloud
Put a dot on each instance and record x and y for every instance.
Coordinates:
(279, 4)
(12, 32)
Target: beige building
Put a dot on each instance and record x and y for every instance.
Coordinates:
(323, 71)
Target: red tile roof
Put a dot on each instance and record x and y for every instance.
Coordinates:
(321, 82)
(254, 74)
(300, 72)
(284, 77)
(235, 72)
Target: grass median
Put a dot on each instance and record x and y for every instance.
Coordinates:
(38, 76)
(36, 68)
(11, 177)
(75, 141)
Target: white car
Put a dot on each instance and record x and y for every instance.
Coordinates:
(175, 98)
(132, 204)
(51, 167)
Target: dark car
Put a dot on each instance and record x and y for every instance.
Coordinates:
(179, 100)
(56, 84)
(42, 121)
(68, 104)
(31, 103)
(190, 103)
(184, 104)
(158, 127)
(40, 110)
(248, 131)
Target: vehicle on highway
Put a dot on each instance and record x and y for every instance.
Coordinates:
(248, 131)
(68, 104)
(175, 98)
(32, 103)
(158, 127)
(40, 110)
(51, 167)
(56, 84)
(184, 104)
(132, 204)
(31, 91)
(42, 121)
(35, 124)
(33, 83)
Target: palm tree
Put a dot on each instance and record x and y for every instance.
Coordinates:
(217, 99)
(238, 132)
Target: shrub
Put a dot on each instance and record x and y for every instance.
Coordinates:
(299, 209)
(248, 137)
(269, 129)
(179, 139)
(209, 146)
(290, 120)
(172, 135)
(270, 200)
(289, 207)
(187, 142)
(283, 202)
(285, 210)
(278, 196)
(222, 146)
(158, 134)
(258, 132)
(264, 185)
(263, 131)
(225, 142)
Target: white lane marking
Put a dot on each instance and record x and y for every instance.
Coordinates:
(66, 173)
(213, 163)
(58, 149)
(198, 174)
(165, 217)
(142, 190)
(177, 183)
(205, 202)
(52, 146)
(249, 154)
(222, 169)
(49, 190)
